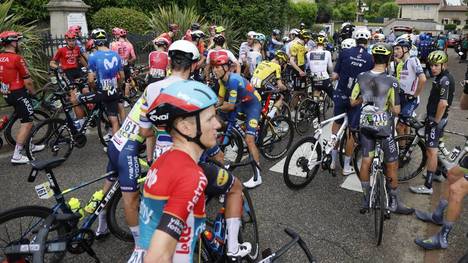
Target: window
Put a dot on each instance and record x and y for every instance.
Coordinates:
(456, 22)
(466, 22)
(445, 21)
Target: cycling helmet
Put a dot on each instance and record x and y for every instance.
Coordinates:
(259, 37)
(305, 34)
(437, 57)
(122, 32)
(90, 45)
(173, 27)
(361, 33)
(347, 31)
(115, 31)
(251, 34)
(219, 39)
(76, 29)
(70, 34)
(219, 58)
(276, 32)
(345, 24)
(7, 37)
(381, 49)
(99, 36)
(321, 40)
(281, 56)
(348, 43)
(295, 32)
(195, 26)
(197, 34)
(180, 99)
(286, 39)
(302, 26)
(183, 49)
(322, 33)
(161, 41)
(220, 29)
(402, 42)
(379, 37)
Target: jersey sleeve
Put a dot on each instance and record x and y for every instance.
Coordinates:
(57, 55)
(339, 60)
(293, 50)
(417, 66)
(393, 99)
(356, 91)
(119, 63)
(329, 61)
(444, 88)
(92, 63)
(232, 89)
(232, 57)
(278, 71)
(144, 121)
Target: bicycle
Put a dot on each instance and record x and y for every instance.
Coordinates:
(269, 257)
(309, 154)
(71, 233)
(412, 152)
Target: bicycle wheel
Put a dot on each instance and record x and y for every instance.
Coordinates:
(411, 156)
(306, 112)
(115, 218)
(58, 140)
(276, 137)
(249, 228)
(14, 125)
(234, 149)
(45, 95)
(16, 227)
(357, 159)
(302, 163)
(379, 207)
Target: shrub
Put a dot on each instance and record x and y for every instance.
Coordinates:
(450, 27)
(133, 21)
(302, 11)
(389, 10)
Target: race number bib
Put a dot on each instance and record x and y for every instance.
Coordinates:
(256, 82)
(157, 73)
(108, 86)
(160, 148)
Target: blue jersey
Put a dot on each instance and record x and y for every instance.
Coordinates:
(350, 63)
(106, 65)
(237, 90)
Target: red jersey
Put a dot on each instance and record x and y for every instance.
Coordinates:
(13, 71)
(166, 36)
(68, 57)
(158, 61)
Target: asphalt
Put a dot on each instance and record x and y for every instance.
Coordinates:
(323, 214)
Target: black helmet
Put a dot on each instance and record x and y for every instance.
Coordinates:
(195, 26)
(276, 32)
(219, 39)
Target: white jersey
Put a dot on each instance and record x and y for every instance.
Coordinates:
(253, 58)
(243, 50)
(231, 56)
(320, 63)
(407, 74)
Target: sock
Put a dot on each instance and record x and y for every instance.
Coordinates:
(438, 214)
(135, 232)
(18, 149)
(102, 226)
(444, 232)
(429, 177)
(334, 154)
(232, 226)
(347, 160)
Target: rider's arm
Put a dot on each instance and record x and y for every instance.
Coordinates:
(393, 99)
(443, 102)
(162, 248)
(330, 62)
(421, 76)
(23, 73)
(279, 82)
(132, 55)
(83, 60)
(91, 78)
(292, 59)
(355, 98)
(53, 63)
(337, 70)
(234, 60)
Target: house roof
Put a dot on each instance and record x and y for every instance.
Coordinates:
(454, 8)
(418, 2)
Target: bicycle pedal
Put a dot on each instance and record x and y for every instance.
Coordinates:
(363, 211)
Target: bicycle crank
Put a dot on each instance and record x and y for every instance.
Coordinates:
(81, 241)
(80, 140)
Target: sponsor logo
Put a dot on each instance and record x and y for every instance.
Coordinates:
(197, 192)
(253, 123)
(222, 178)
(4, 59)
(111, 64)
(233, 93)
(152, 177)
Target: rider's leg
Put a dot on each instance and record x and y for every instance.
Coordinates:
(131, 204)
(367, 148)
(24, 109)
(233, 216)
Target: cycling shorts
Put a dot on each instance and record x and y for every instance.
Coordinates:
(252, 110)
(220, 180)
(342, 104)
(125, 162)
(388, 147)
(127, 72)
(22, 103)
(152, 80)
(299, 83)
(111, 105)
(73, 74)
(408, 104)
(324, 85)
(464, 165)
(434, 133)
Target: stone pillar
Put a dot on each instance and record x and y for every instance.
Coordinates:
(66, 13)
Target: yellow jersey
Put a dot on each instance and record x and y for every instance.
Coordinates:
(266, 72)
(298, 51)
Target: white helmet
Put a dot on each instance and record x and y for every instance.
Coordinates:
(379, 37)
(251, 34)
(186, 47)
(348, 43)
(345, 24)
(295, 31)
(322, 33)
(361, 33)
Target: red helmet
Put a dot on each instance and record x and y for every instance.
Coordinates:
(173, 27)
(122, 32)
(161, 41)
(76, 29)
(115, 31)
(7, 37)
(70, 34)
(219, 58)
(90, 44)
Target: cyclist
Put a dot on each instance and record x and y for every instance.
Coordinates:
(274, 43)
(350, 63)
(236, 95)
(320, 65)
(127, 53)
(188, 34)
(158, 60)
(169, 35)
(104, 67)
(172, 210)
(256, 54)
(77, 30)
(457, 178)
(15, 83)
(348, 43)
(267, 76)
(438, 105)
(377, 91)
(71, 60)
(198, 39)
(411, 77)
(244, 49)
(219, 41)
(297, 53)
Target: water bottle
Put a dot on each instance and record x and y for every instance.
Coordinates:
(443, 149)
(75, 206)
(272, 113)
(94, 201)
(219, 227)
(332, 140)
(211, 240)
(3, 121)
(455, 153)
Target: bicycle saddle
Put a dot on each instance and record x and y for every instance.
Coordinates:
(47, 164)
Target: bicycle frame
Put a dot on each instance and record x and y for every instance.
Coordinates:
(377, 169)
(448, 164)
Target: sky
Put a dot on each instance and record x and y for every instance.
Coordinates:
(453, 2)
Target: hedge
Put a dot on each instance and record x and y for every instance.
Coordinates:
(133, 21)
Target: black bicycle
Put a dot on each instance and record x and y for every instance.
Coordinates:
(269, 256)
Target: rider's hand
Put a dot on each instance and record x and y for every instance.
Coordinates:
(302, 73)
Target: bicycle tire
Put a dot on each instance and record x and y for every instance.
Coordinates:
(234, 150)
(57, 135)
(37, 117)
(379, 212)
(38, 212)
(248, 217)
(406, 170)
(357, 156)
(305, 114)
(121, 232)
(274, 138)
(302, 163)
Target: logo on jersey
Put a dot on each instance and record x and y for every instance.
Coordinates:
(233, 93)
(111, 64)
(222, 178)
(152, 177)
(253, 123)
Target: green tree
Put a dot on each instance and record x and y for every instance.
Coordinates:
(348, 11)
(302, 11)
(133, 21)
(389, 10)
(31, 10)
(324, 12)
